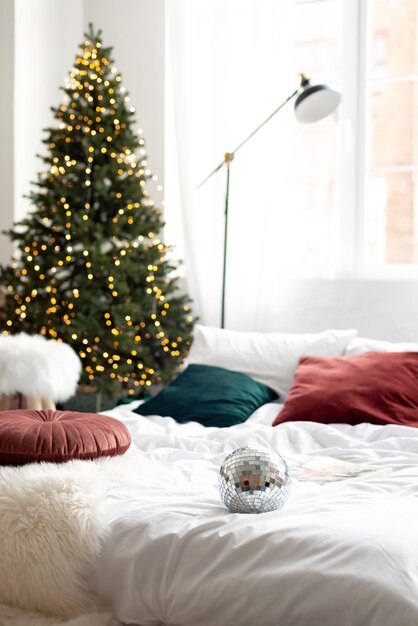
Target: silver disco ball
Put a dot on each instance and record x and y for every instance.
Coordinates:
(254, 480)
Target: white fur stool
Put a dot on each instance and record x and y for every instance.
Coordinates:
(44, 371)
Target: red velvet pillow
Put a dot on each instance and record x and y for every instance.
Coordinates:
(33, 436)
(375, 387)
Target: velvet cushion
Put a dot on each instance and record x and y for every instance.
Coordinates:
(375, 387)
(213, 396)
(57, 436)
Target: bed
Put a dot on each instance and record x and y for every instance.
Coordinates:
(148, 535)
(342, 552)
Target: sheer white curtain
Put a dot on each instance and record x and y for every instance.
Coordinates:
(229, 65)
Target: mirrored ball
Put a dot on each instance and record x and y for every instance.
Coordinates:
(254, 480)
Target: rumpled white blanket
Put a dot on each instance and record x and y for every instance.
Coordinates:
(343, 553)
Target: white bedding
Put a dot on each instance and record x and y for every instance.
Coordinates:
(341, 554)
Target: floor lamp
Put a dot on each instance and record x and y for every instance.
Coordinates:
(313, 103)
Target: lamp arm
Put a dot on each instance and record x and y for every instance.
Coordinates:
(230, 155)
(265, 121)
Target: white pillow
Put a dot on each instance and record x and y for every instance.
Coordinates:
(270, 358)
(359, 345)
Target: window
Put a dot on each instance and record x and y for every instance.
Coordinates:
(392, 124)
(334, 199)
(362, 183)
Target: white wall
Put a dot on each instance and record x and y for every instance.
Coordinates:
(385, 309)
(6, 123)
(136, 30)
(46, 36)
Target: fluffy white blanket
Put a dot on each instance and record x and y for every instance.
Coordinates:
(50, 532)
(15, 617)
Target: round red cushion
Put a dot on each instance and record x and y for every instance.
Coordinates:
(58, 436)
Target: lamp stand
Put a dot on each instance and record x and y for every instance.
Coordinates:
(307, 90)
(229, 156)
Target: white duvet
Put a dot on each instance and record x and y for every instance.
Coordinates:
(341, 554)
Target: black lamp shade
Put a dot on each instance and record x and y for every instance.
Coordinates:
(315, 102)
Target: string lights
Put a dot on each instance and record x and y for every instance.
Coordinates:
(90, 268)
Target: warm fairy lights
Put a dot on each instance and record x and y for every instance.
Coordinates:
(75, 277)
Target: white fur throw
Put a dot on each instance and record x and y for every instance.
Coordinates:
(51, 531)
(35, 366)
(15, 617)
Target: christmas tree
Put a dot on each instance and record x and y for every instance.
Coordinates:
(90, 268)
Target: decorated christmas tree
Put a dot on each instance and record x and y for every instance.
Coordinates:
(90, 268)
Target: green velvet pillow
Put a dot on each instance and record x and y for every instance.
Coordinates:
(210, 395)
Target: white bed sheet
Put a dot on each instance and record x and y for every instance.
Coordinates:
(341, 554)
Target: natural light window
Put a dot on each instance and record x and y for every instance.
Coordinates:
(338, 196)
(366, 156)
(392, 120)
